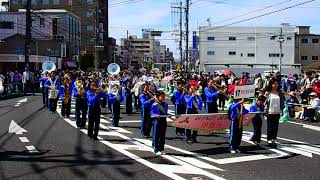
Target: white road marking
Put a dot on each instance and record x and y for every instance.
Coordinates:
(20, 102)
(24, 139)
(168, 170)
(116, 129)
(15, 128)
(316, 128)
(32, 149)
(197, 163)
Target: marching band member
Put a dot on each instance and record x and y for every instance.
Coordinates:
(94, 96)
(79, 92)
(146, 99)
(159, 112)
(65, 95)
(193, 104)
(115, 98)
(236, 132)
(52, 85)
(178, 100)
(128, 94)
(44, 90)
(257, 120)
(211, 97)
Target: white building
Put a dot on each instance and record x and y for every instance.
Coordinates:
(250, 49)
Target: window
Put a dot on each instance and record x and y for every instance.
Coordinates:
(232, 53)
(42, 23)
(232, 38)
(19, 50)
(89, 1)
(315, 41)
(289, 38)
(304, 58)
(210, 53)
(315, 58)
(46, 2)
(89, 14)
(34, 2)
(273, 37)
(56, 2)
(14, 1)
(210, 38)
(6, 25)
(304, 41)
(89, 28)
(251, 38)
(251, 54)
(275, 55)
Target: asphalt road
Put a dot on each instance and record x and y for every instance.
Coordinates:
(50, 147)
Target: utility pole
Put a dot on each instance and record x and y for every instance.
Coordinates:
(28, 33)
(181, 34)
(180, 8)
(96, 44)
(187, 34)
(281, 40)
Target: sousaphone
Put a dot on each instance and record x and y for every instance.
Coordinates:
(48, 66)
(113, 69)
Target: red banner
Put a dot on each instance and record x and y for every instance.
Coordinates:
(208, 122)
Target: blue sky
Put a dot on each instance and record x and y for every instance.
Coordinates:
(157, 14)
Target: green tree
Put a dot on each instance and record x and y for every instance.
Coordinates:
(86, 61)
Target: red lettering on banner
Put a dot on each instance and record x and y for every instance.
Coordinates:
(209, 123)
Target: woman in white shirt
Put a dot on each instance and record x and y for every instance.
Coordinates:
(275, 105)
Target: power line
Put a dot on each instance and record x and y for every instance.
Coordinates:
(251, 12)
(259, 16)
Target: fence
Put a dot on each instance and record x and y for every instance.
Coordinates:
(17, 89)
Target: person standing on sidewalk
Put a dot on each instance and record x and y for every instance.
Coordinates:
(275, 105)
(26, 80)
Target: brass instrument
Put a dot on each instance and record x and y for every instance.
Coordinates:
(222, 89)
(66, 82)
(80, 88)
(150, 94)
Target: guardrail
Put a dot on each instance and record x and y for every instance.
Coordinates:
(17, 89)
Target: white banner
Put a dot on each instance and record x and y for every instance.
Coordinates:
(244, 91)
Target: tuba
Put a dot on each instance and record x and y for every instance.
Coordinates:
(113, 69)
(48, 66)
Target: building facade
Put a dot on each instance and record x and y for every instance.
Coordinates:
(307, 46)
(55, 33)
(94, 29)
(250, 49)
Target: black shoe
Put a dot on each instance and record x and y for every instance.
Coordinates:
(95, 138)
(194, 141)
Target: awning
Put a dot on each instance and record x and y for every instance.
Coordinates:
(71, 64)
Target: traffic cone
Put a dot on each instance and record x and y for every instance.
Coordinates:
(285, 116)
